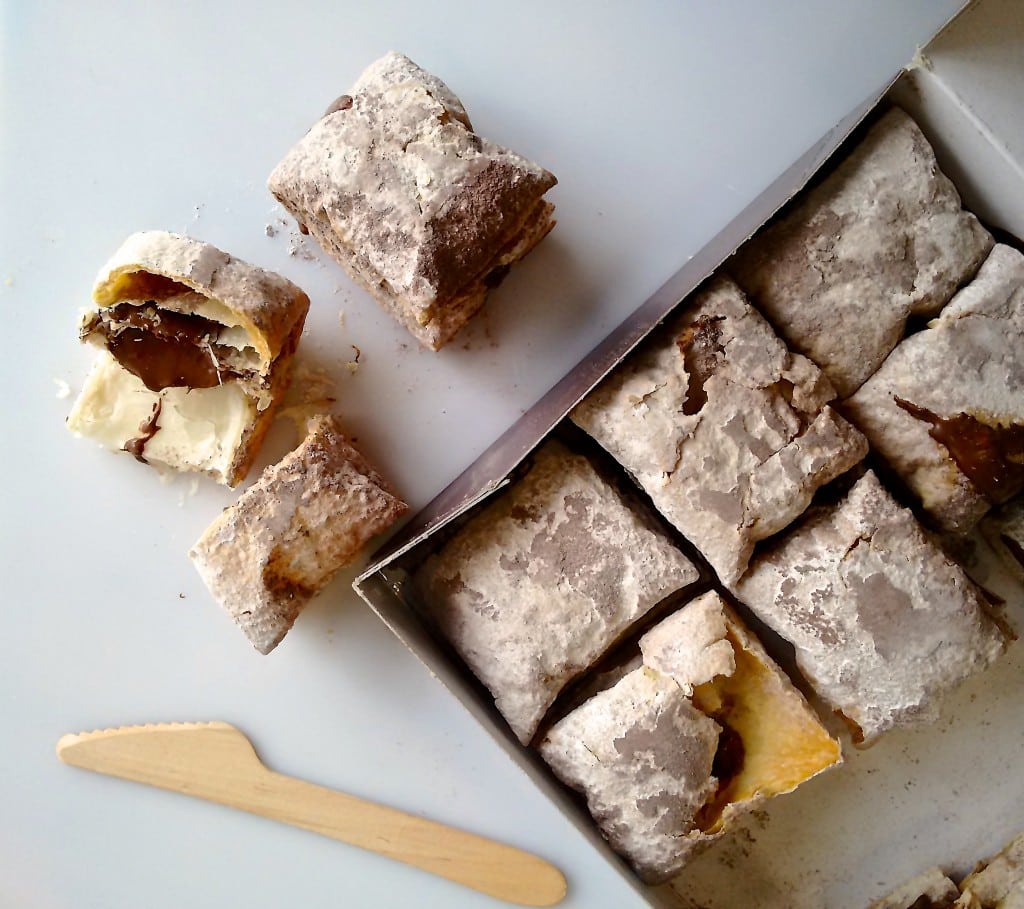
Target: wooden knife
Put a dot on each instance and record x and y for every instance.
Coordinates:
(215, 761)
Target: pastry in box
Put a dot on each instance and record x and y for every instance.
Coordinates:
(727, 431)
(880, 239)
(997, 883)
(882, 622)
(703, 731)
(543, 579)
(946, 408)
(930, 890)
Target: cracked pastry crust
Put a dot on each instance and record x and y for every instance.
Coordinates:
(883, 237)
(196, 353)
(544, 579)
(701, 733)
(421, 211)
(882, 622)
(307, 516)
(946, 409)
(728, 432)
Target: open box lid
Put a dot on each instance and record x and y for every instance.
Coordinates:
(984, 140)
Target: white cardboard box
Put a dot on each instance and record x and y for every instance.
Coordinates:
(947, 794)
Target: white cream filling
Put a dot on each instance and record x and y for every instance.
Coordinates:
(199, 429)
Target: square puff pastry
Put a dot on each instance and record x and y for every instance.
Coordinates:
(702, 732)
(196, 352)
(541, 581)
(882, 622)
(946, 408)
(728, 432)
(425, 214)
(881, 238)
(289, 533)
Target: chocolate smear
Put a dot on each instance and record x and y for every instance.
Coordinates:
(147, 429)
(990, 456)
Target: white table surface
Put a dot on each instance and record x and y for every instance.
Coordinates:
(661, 120)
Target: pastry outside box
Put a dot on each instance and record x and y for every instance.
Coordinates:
(946, 408)
(266, 556)
(678, 749)
(544, 579)
(727, 431)
(423, 213)
(196, 348)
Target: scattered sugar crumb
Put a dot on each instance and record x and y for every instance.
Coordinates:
(310, 384)
(341, 314)
(312, 392)
(63, 389)
(196, 211)
(297, 248)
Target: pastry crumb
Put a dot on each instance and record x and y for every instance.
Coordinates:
(63, 389)
(270, 230)
(310, 385)
(299, 250)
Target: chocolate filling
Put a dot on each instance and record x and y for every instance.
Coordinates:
(342, 102)
(991, 457)
(700, 349)
(165, 349)
(496, 275)
(726, 766)
(147, 429)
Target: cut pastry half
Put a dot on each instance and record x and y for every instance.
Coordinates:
(196, 351)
